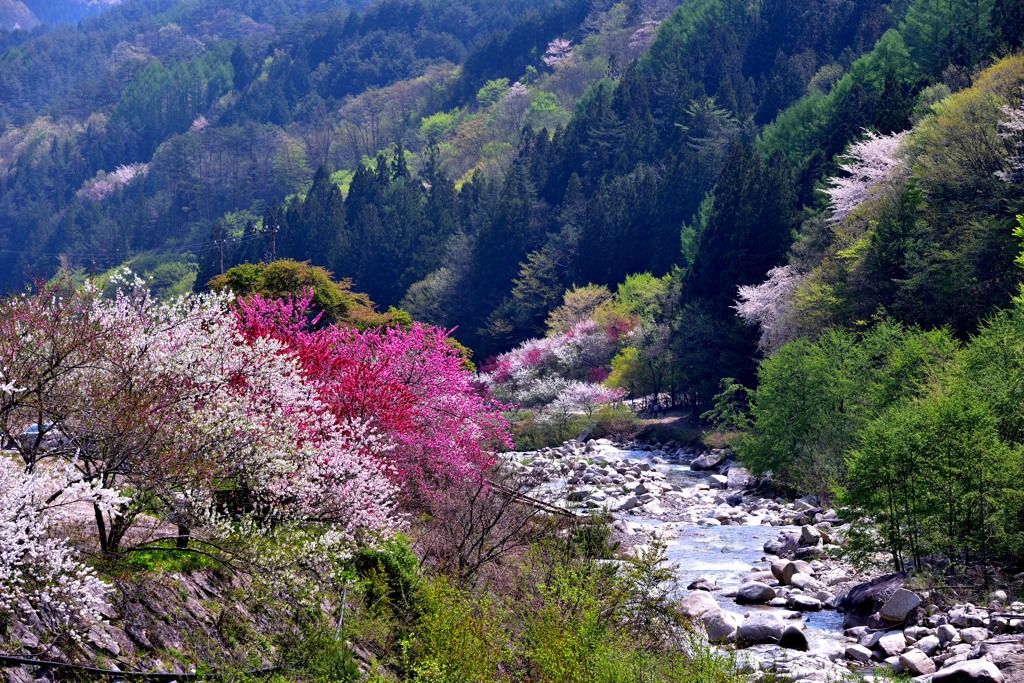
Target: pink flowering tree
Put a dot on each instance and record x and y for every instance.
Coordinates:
(868, 164)
(770, 305)
(409, 387)
(559, 50)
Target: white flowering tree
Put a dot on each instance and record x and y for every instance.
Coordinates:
(41, 577)
(868, 164)
(1011, 129)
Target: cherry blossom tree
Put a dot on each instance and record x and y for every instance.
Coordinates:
(539, 371)
(770, 305)
(558, 51)
(867, 165)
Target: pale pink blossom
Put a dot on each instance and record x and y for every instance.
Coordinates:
(867, 165)
(770, 305)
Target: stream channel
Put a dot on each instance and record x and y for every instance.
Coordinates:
(726, 554)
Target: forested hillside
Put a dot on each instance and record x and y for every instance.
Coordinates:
(289, 280)
(473, 161)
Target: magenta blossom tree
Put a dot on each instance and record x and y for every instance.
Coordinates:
(409, 387)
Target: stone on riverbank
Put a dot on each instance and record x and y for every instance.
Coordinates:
(916, 663)
(971, 671)
(721, 626)
(697, 604)
(759, 627)
(793, 638)
(899, 606)
(754, 593)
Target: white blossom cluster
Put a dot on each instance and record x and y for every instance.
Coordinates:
(868, 164)
(41, 576)
(103, 185)
(1012, 130)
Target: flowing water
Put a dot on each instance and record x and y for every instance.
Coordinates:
(726, 554)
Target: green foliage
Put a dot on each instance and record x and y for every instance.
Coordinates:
(439, 126)
(284, 277)
(492, 91)
(813, 398)
(935, 476)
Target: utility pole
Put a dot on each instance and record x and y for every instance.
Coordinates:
(273, 242)
(221, 244)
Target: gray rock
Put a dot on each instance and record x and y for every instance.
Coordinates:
(946, 633)
(793, 638)
(865, 599)
(718, 481)
(971, 671)
(803, 603)
(754, 593)
(859, 653)
(793, 568)
(738, 478)
(899, 606)
(707, 461)
(721, 625)
(892, 644)
(973, 635)
(916, 663)
(697, 604)
(928, 645)
(759, 627)
(809, 535)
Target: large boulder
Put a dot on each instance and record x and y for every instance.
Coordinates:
(785, 545)
(793, 638)
(971, 671)
(708, 461)
(760, 627)
(793, 568)
(721, 625)
(754, 593)
(916, 663)
(738, 478)
(899, 606)
(697, 604)
(892, 644)
(867, 598)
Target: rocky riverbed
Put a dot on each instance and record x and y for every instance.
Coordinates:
(764, 577)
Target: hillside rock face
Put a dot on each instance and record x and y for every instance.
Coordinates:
(14, 15)
(166, 623)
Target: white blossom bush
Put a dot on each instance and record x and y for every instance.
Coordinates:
(41, 576)
(770, 305)
(869, 163)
